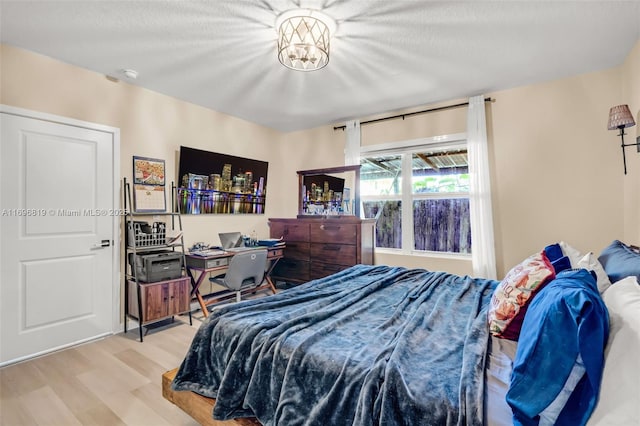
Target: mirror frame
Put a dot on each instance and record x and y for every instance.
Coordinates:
(341, 169)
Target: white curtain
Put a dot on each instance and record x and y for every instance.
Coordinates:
(482, 241)
(352, 146)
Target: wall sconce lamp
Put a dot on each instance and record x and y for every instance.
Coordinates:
(619, 118)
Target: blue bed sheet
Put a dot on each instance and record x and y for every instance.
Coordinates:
(371, 345)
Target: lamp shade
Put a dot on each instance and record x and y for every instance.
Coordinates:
(303, 39)
(620, 117)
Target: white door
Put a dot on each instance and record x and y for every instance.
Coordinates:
(56, 212)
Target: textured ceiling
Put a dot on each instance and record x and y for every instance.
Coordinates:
(385, 55)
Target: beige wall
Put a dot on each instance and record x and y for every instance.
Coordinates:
(154, 125)
(556, 169)
(631, 96)
(445, 122)
(317, 148)
(557, 173)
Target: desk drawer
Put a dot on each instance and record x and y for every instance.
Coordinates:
(341, 254)
(340, 233)
(275, 253)
(206, 263)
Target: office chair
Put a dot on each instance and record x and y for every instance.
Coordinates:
(246, 270)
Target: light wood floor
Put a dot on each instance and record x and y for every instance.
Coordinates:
(113, 381)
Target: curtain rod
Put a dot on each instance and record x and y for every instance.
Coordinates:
(413, 113)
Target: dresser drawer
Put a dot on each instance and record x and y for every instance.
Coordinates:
(340, 233)
(341, 254)
(293, 269)
(289, 231)
(297, 250)
(321, 269)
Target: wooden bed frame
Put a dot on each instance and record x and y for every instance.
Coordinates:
(197, 406)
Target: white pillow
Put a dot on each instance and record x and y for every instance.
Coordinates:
(619, 402)
(573, 254)
(588, 261)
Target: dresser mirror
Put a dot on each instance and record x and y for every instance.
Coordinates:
(329, 192)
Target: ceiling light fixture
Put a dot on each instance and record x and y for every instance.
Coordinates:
(303, 39)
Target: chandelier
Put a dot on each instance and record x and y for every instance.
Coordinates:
(303, 39)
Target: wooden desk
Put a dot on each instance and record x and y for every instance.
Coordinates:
(198, 267)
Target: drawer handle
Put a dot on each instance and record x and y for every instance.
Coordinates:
(331, 248)
(326, 228)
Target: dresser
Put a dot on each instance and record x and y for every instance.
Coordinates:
(321, 246)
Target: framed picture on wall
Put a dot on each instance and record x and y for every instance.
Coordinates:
(216, 183)
(148, 185)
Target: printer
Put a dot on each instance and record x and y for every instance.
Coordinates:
(156, 266)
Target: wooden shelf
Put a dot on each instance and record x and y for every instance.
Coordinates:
(149, 302)
(159, 300)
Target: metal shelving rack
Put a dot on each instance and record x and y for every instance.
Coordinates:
(138, 243)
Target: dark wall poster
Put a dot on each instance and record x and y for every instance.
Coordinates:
(210, 182)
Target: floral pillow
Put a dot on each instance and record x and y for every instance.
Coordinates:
(512, 296)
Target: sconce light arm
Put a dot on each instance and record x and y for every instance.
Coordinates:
(631, 144)
(624, 145)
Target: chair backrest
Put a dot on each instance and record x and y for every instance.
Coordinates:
(247, 267)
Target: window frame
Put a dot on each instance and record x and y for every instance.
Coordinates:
(407, 197)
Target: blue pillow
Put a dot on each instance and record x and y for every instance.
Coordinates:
(553, 252)
(561, 264)
(620, 261)
(558, 260)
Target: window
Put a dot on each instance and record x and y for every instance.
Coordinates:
(427, 211)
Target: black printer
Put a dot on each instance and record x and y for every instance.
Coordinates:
(156, 266)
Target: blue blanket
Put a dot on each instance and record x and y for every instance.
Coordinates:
(565, 322)
(371, 345)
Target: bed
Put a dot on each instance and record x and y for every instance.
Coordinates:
(389, 345)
